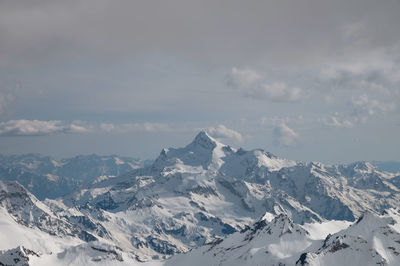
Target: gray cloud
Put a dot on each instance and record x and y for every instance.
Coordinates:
(122, 61)
(135, 127)
(375, 74)
(363, 105)
(361, 109)
(9, 92)
(224, 32)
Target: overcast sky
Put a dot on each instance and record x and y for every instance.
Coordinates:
(306, 80)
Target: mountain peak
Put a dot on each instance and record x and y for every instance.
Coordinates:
(199, 152)
(277, 227)
(204, 140)
(282, 224)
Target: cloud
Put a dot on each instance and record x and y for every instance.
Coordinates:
(222, 131)
(365, 106)
(52, 127)
(38, 128)
(243, 78)
(236, 31)
(361, 109)
(9, 91)
(276, 92)
(30, 128)
(135, 127)
(334, 121)
(373, 75)
(252, 85)
(285, 136)
(79, 127)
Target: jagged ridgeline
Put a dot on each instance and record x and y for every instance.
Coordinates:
(209, 195)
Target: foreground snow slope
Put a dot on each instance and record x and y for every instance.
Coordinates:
(371, 240)
(32, 235)
(277, 241)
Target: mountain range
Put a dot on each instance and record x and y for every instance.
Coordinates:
(216, 204)
(46, 177)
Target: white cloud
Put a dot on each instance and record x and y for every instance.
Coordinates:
(222, 131)
(78, 127)
(31, 127)
(40, 128)
(243, 78)
(253, 85)
(284, 135)
(334, 121)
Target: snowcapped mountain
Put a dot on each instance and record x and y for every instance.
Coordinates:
(31, 234)
(196, 195)
(189, 196)
(371, 240)
(26, 210)
(264, 243)
(49, 178)
(42, 186)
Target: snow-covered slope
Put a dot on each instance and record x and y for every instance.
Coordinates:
(26, 210)
(31, 234)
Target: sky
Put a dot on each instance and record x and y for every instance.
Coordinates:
(305, 80)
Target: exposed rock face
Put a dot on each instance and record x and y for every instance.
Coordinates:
(18, 256)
